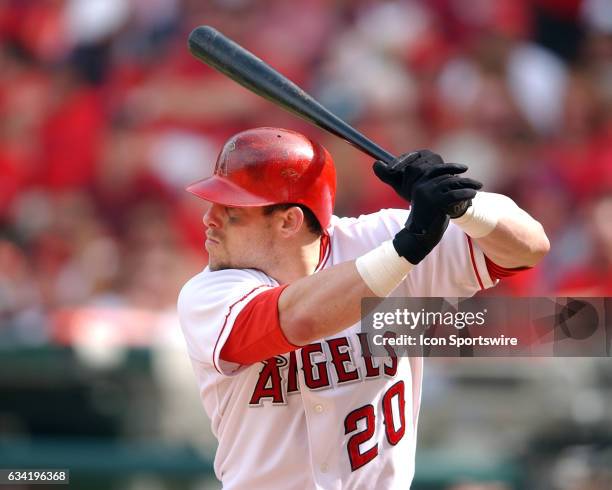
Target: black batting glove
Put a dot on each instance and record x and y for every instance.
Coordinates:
(403, 173)
(432, 194)
(415, 241)
(405, 170)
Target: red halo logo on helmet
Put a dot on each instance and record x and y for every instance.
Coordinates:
(290, 174)
(265, 166)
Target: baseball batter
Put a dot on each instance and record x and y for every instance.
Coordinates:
(272, 324)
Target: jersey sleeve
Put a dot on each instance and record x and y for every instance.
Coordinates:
(208, 306)
(456, 267)
(257, 334)
(500, 272)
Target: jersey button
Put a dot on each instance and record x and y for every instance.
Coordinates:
(318, 408)
(324, 468)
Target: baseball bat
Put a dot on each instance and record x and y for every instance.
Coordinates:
(242, 66)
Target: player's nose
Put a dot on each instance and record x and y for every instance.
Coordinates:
(212, 217)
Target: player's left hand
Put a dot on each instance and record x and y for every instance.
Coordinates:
(407, 169)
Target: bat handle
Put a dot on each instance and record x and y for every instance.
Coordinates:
(458, 209)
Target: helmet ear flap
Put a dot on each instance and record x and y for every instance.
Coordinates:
(265, 166)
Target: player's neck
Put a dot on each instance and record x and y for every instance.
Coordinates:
(300, 261)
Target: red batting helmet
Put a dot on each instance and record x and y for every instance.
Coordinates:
(265, 166)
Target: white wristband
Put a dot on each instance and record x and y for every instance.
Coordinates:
(482, 216)
(382, 269)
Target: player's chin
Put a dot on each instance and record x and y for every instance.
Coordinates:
(215, 263)
(218, 266)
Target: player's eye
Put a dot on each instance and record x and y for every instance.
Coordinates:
(232, 213)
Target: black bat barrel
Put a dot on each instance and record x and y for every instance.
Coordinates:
(242, 66)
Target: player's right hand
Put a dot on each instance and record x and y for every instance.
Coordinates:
(432, 194)
(438, 189)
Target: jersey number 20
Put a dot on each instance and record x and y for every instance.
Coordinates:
(367, 413)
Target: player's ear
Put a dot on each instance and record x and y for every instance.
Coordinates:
(290, 221)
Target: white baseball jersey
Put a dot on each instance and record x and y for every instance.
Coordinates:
(327, 416)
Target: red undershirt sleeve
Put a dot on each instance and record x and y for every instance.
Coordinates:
(499, 272)
(257, 334)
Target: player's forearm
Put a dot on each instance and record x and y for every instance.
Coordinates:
(508, 235)
(322, 304)
(329, 301)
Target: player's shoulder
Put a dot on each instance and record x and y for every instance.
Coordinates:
(214, 286)
(351, 237)
(385, 220)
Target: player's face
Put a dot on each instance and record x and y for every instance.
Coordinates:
(238, 238)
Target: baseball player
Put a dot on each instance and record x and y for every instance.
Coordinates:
(272, 324)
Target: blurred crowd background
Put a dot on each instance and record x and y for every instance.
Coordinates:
(105, 117)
